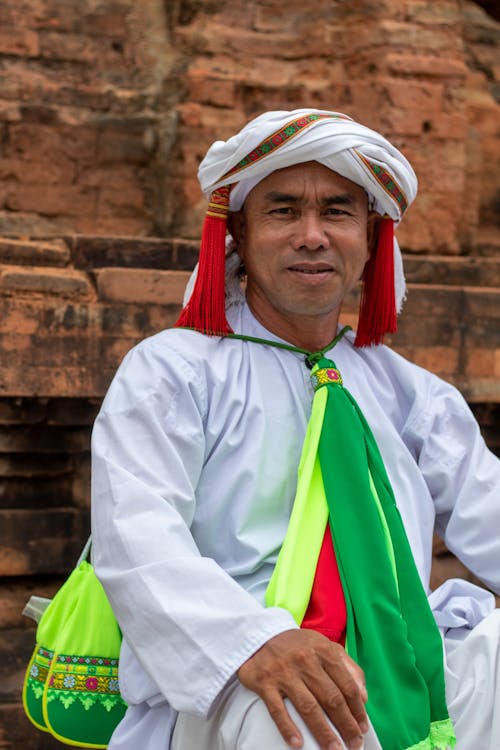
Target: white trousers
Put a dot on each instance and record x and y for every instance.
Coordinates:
(241, 720)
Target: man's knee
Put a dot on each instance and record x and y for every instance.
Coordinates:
(241, 721)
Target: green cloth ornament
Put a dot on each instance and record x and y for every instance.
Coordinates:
(71, 685)
(391, 632)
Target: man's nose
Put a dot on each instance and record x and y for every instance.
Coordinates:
(310, 233)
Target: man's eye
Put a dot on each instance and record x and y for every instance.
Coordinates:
(335, 212)
(282, 210)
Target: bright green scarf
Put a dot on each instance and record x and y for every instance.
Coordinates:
(391, 632)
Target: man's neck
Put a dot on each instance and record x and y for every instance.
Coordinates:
(311, 333)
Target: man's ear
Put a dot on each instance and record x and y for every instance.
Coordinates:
(372, 227)
(236, 228)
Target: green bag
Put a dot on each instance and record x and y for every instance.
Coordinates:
(71, 685)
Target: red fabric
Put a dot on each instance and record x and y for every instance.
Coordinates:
(327, 612)
(206, 309)
(377, 314)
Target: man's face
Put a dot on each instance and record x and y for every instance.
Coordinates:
(302, 235)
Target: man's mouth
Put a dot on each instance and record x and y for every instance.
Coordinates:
(311, 271)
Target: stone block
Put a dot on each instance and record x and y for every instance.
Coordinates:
(219, 92)
(133, 252)
(126, 142)
(86, 49)
(34, 253)
(441, 309)
(411, 64)
(14, 594)
(52, 200)
(40, 142)
(44, 281)
(41, 542)
(43, 439)
(40, 173)
(19, 41)
(9, 111)
(46, 492)
(452, 271)
(422, 98)
(141, 286)
(34, 466)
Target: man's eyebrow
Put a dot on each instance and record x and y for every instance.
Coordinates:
(276, 197)
(343, 199)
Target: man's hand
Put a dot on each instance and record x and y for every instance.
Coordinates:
(319, 678)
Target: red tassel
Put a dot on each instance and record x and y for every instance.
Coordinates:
(377, 315)
(206, 309)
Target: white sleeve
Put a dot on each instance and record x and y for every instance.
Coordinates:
(463, 477)
(184, 618)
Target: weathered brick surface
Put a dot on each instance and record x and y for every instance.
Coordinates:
(424, 73)
(141, 285)
(25, 252)
(83, 112)
(64, 330)
(15, 280)
(105, 112)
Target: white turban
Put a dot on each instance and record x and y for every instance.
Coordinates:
(275, 140)
(332, 139)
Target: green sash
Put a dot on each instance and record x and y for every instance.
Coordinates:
(391, 632)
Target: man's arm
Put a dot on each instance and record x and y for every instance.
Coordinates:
(463, 477)
(188, 622)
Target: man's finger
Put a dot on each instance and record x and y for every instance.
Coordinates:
(350, 683)
(332, 702)
(279, 714)
(310, 711)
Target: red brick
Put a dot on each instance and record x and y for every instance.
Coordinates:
(18, 41)
(407, 63)
(48, 171)
(138, 285)
(54, 281)
(116, 203)
(44, 541)
(9, 111)
(481, 362)
(272, 19)
(128, 143)
(80, 48)
(446, 12)
(51, 200)
(24, 252)
(442, 360)
(13, 598)
(211, 90)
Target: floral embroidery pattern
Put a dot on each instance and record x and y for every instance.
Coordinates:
(325, 375)
(89, 679)
(280, 137)
(386, 181)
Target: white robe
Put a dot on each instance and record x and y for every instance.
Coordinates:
(195, 455)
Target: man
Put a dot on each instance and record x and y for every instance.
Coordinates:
(231, 507)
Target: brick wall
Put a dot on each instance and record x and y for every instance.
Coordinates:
(106, 107)
(85, 115)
